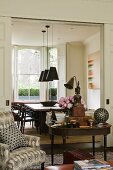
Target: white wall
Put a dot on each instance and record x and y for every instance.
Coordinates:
(75, 65)
(108, 78)
(5, 64)
(61, 69)
(72, 10)
(80, 52)
(92, 45)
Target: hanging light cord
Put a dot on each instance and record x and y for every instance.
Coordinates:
(47, 26)
(43, 31)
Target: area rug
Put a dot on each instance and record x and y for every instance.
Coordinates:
(58, 158)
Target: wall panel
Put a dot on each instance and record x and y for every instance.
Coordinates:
(1, 71)
(99, 11)
(5, 63)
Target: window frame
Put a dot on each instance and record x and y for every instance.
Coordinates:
(14, 69)
(44, 87)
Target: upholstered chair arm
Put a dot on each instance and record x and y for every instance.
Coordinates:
(33, 141)
(4, 152)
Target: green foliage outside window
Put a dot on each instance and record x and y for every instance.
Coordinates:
(35, 92)
(53, 91)
(25, 92)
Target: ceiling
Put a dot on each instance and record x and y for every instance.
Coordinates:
(29, 32)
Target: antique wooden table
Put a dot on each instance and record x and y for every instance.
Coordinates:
(40, 110)
(83, 130)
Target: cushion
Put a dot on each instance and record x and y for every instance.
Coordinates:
(13, 137)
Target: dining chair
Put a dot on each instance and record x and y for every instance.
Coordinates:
(27, 115)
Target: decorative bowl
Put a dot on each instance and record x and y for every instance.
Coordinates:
(48, 103)
(101, 115)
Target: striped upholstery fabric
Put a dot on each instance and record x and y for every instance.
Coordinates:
(6, 119)
(23, 157)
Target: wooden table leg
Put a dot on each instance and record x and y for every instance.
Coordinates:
(40, 125)
(64, 140)
(93, 145)
(105, 147)
(52, 154)
(42, 119)
(41, 122)
(22, 123)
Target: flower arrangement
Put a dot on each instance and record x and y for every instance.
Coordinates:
(66, 102)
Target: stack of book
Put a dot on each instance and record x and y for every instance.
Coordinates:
(92, 164)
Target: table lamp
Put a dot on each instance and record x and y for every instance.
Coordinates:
(70, 85)
(78, 108)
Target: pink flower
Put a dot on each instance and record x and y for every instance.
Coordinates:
(70, 105)
(67, 102)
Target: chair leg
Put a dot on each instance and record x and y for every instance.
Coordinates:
(22, 127)
(42, 166)
(32, 124)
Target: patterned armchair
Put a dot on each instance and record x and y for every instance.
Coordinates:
(18, 151)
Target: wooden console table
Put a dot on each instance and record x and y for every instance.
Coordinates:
(86, 131)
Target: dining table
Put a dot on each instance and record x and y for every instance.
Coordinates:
(40, 111)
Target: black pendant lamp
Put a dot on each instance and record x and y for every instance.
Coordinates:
(44, 78)
(43, 73)
(52, 75)
(41, 76)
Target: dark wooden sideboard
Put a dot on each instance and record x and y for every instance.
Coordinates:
(82, 131)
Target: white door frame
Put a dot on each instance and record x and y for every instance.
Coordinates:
(5, 63)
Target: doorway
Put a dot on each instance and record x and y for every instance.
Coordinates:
(75, 43)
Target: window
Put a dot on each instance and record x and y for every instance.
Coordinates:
(53, 84)
(27, 68)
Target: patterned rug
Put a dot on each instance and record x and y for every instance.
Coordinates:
(76, 142)
(58, 158)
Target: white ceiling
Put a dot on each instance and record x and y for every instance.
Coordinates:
(29, 32)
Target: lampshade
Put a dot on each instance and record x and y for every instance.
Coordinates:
(41, 76)
(52, 75)
(45, 74)
(70, 83)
